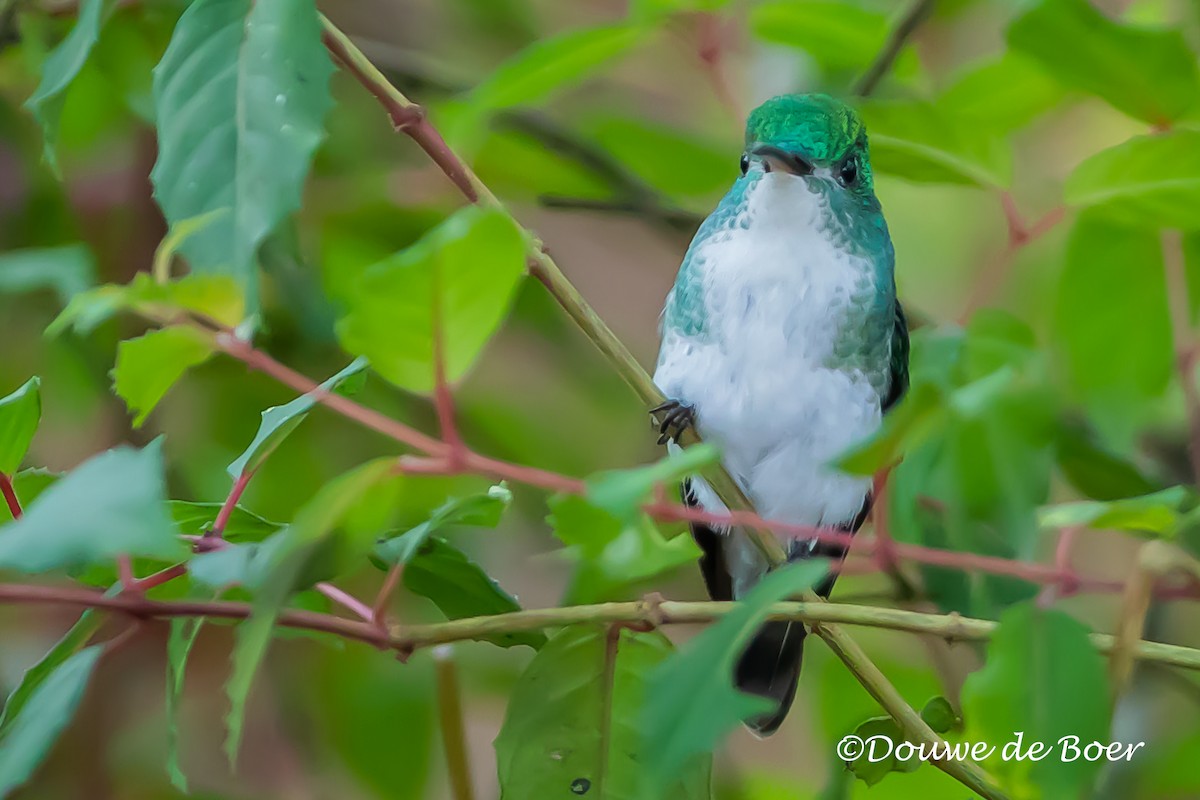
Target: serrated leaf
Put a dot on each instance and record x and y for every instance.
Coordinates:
(483, 510)
(32, 732)
(918, 141)
(573, 721)
(1147, 73)
(20, 413)
(184, 631)
(148, 366)
(622, 492)
(59, 70)
(1152, 182)
(113, 504)
(213, 296)
(1156, 513)
(71, 643)
(691, 702)
(468, 268)
(258, 76)
(279, 421)
(67, 269)
(1043, 678)
(460, 588)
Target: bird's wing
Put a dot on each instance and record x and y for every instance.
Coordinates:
(898, 384)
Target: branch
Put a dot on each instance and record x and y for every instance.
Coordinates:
(10, 495)
(905, 28)
(1186, 351)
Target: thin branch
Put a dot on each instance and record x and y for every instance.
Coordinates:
(347, 601)
(1186, 351)
(10, 495)
(996, 272)
(905, 28)
(231, 501)
(454, 734)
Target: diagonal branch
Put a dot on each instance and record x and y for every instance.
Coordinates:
(905, 28)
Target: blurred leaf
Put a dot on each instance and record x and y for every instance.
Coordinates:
(573, 721)
(240, 101)
(655, 10)
(460, 588)
(1003, 94)
(148, 366)
(288, 558)
(838, 36)
(1147, 73)
(939, 715)
(71, 643)
(673, 162)
(279, 421)
(32, 732)
(1148, 181)
(184, 631)
(113, 504)
(483, 510)
(196, 519)
(246, 564)
(20, 413)
(213, 296)
(67, 269)
(1095, 471)
(917, 141)
(60, 69)
(622, 492)
(873, 766)
(691, 702)
(550, 64)
(1043, 678)
(1156, 513)
(919, 415)
(28, 484)
(467, 268)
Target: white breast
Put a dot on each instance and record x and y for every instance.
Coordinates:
(776, 289)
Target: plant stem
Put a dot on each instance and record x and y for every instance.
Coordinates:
(454, 736)
(905, 28)
(10, 495)
(231, 501)
(1186, 351)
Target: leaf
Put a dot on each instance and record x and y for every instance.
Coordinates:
(60, 69)
(1148, 181)
(573, 721)
(214, 296)
(622, 492)
(113, 504)
(1043, 678)
(655, 10)
(1156, 513)
(71, 643)
(279, 421)
(1004, 94)
(196, 519)
(939, 715)
(468, 268)
(918, 141)
(482, 510)
(28, 484)
(32, 732)
(20, 413)
(917, 417)
(691, 702)
(257, 76)
(460, 588)
(289, 557)
(873, 765)
(1147, 73)
(673, 161)
(1094, 470)
(552, 63)
(836, 35)
(148, 366)
(67, 269)
(184, 631)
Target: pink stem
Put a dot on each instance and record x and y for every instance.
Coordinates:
(346, 600)
(10, 495)
(231, 501)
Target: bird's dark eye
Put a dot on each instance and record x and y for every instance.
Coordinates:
(849, 172)
(745, 163)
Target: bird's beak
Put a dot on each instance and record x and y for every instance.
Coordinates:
(776, 158)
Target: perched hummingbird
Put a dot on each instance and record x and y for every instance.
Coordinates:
(783, 342)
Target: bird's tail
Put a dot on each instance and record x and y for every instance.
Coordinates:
(770, 668)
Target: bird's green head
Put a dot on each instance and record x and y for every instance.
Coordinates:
(810, 134)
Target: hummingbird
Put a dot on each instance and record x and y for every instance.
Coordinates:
(783, 343)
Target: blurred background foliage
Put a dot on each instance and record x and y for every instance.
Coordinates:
(611, 128)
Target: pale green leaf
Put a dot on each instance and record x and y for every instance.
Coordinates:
(184, 631)
(622, 492)
(1003, 94)
(483, 510)
(71, 643)
(196, 519)
(214, 296)
(20, 413)
(1156, 513)
(148, 366)
(838, 36)
(67, 269)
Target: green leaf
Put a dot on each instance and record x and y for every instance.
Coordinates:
(258, 76)
(1003, 94)
(872, 766)
(672, 161)
(468, 268)
(1156, 513)
(32, 732)
(196, 519)
(838, 36)
(550, 64)
(28, 484)
(939, 715)
(918, 141)
(60, 69)
(573, 721)
(919, 415)
(71, 643)
(1094, 470)
(622, 492)
(184, 631)
(113, 504)
(655, 10)
(483, 510)
(1148, 181)
(20, 413)
(691, 702)
(213, 296)
(1147, 73)
(67, 269)
(290, 556)
(148, 366)
(1043, 678)
(460, 588)
(279, 421)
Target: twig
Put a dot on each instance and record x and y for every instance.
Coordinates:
(1186, 351)
(10, 495)
(905, 28)
(390, 583)
(454, 735)
(231, 501)
(346, 600)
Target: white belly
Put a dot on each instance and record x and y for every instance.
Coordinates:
(760, 377)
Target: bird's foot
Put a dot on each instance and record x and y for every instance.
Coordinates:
(676, 417)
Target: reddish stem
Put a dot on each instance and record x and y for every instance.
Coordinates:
(10, 495)
(125, 572)
(390, 583)
(160, 577)
(231, 501)
(346, 600)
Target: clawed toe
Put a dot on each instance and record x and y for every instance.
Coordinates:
(676, 417)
